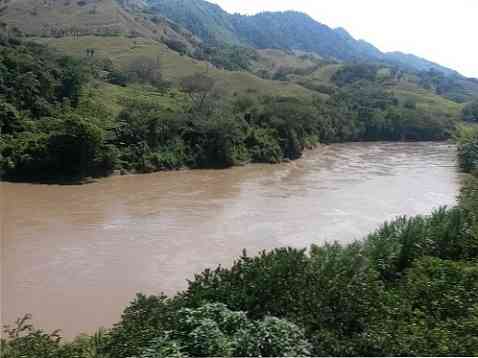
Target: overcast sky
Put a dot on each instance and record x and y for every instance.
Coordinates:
(443, 31)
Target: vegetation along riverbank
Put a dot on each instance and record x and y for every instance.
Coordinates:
(66, 118)
(409, 288)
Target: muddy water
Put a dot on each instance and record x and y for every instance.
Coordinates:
(74, 256)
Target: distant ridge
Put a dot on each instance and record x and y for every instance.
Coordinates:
(190, 21)
(417, 63)
(289, 30)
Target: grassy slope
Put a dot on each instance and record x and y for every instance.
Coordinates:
(99, 17)
(403, 89)
(426, 99)
(112, 96)
(123, 51)
(272, 59)
(324, 74)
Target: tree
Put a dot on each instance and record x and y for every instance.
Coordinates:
(9, 119)
(354, 73)
(213, 330)
(22, 340)
(28, 89)
(74, 147)
(199, 87)
(470, 112)
(434, 313)
(145, 69)
(118, 78)
(176, 45)
(467, 140)
(72, 80)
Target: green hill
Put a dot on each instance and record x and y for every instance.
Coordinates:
(123, 51)
(305, 77)
(59, 18)
(204, 19)
(286, 42)
(280, 30)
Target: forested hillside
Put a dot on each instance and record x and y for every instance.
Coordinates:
(58, 125)
(152, 96)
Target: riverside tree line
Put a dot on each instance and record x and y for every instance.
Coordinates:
(51, 129)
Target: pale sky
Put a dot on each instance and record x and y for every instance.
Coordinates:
(443, 31)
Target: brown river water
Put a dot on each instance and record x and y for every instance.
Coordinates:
(74, 256)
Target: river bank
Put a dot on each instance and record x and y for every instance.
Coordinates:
(149, 233)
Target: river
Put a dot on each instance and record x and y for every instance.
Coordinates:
(74, 256)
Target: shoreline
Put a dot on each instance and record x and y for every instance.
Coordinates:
(122, 173)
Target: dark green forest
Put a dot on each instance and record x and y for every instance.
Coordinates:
(408, 289)
(52, 130)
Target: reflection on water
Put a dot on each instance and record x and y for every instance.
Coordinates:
(73, 256)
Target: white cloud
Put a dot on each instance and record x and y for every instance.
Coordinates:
(444, 31)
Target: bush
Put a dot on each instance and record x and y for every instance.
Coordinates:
(145, 69)
(176, 45)
(157, 327)
(264, 146)
(434, 313)
(349, 74)
(118, 78)
(467, 141)
(470, 112)
(70, 149)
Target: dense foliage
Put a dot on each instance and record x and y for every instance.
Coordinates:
(209, 132)
(151, 328)
(353, 73)
(51, 129)
(470, 111)
(45, 131)
(366, 111)
(451, 86)
(467, 140)
(228, 57)
(208, 330)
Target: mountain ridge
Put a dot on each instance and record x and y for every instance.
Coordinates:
(285, 30)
